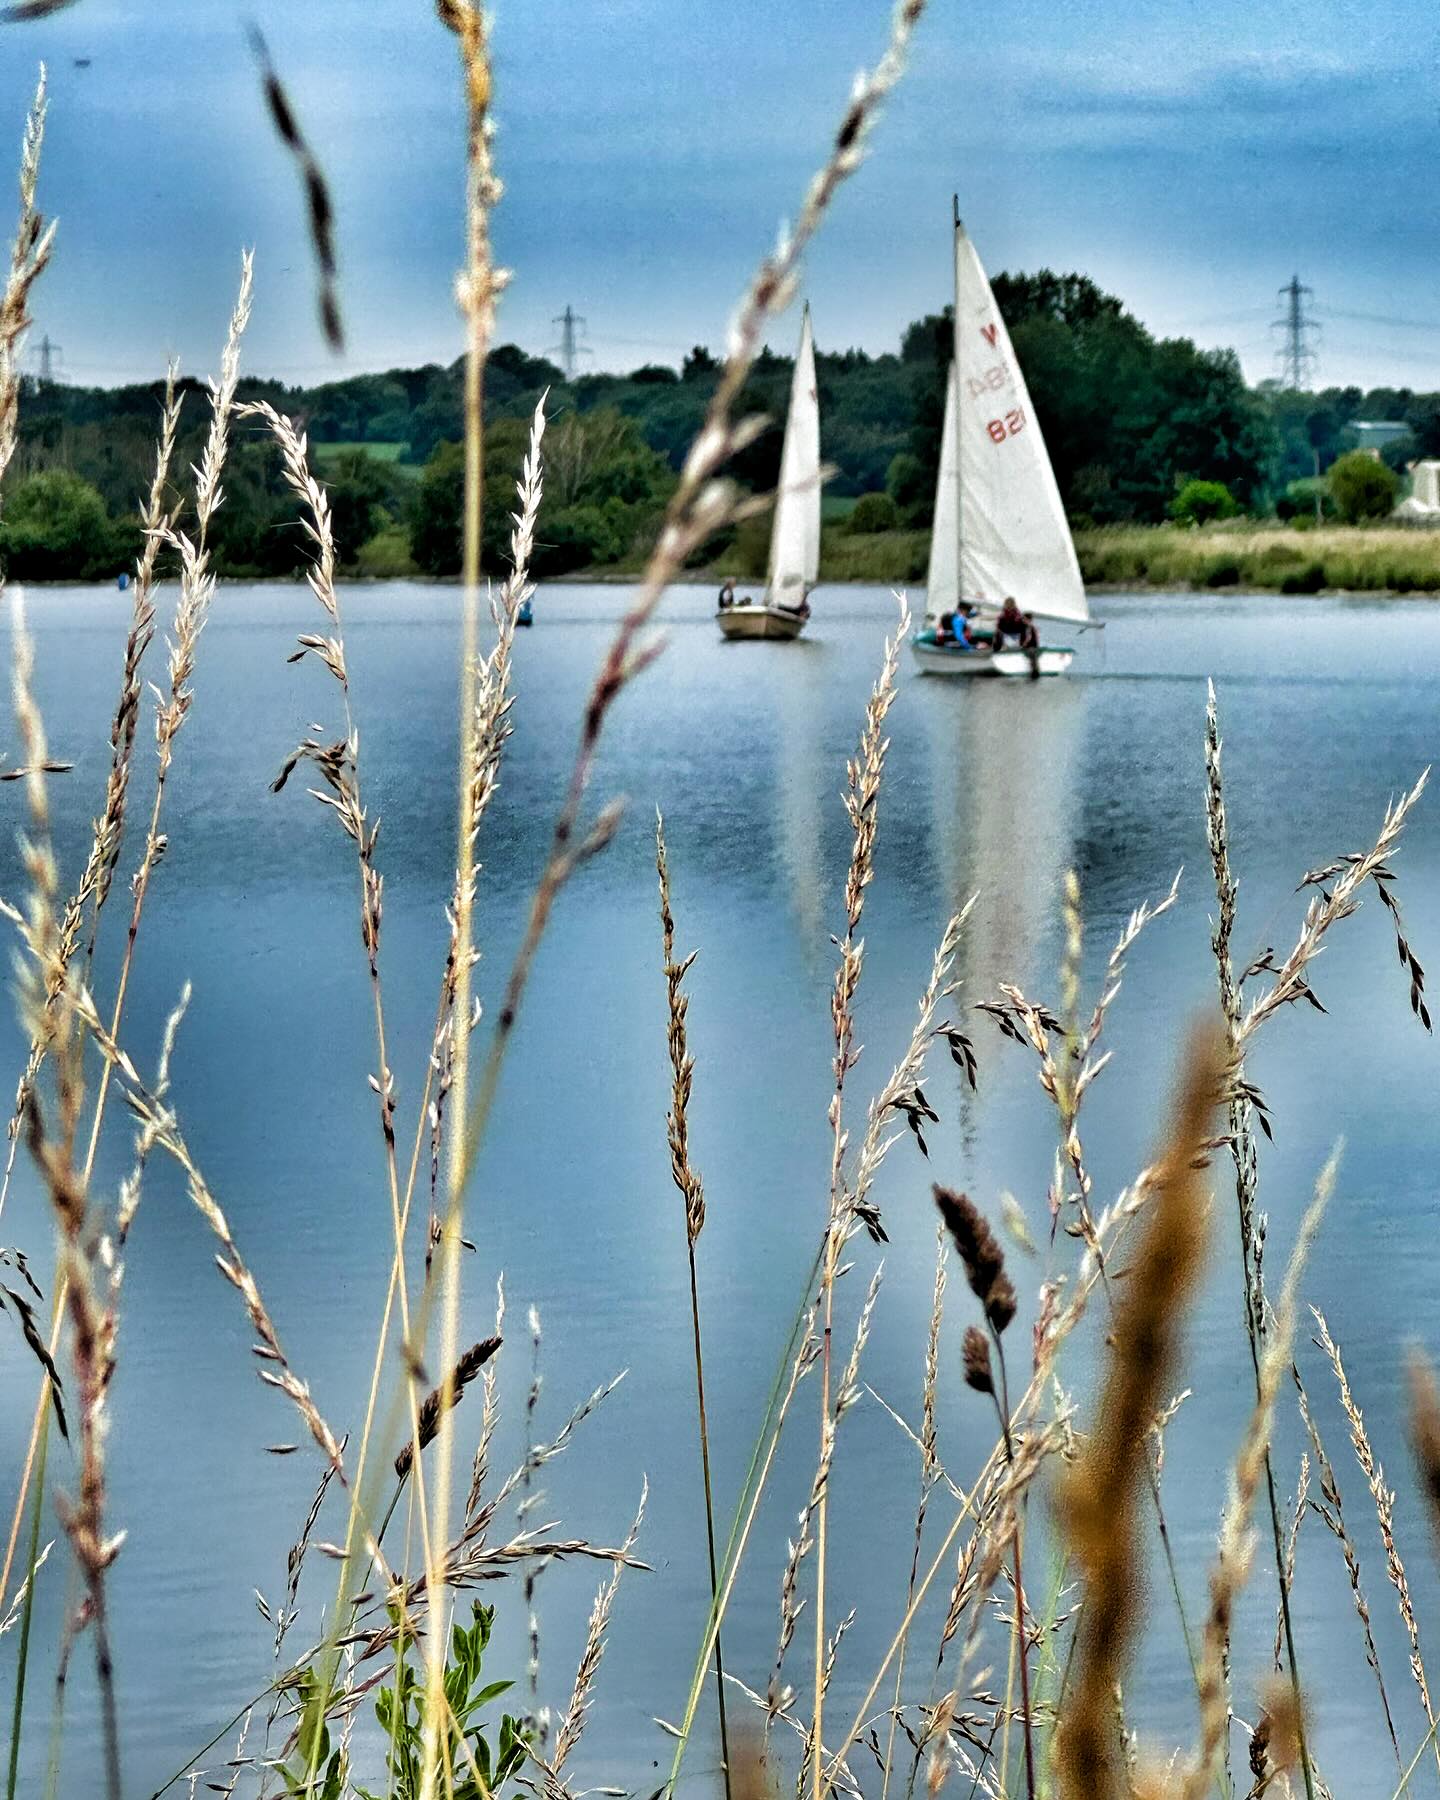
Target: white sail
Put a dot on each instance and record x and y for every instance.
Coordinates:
(1014, 538)
(795, 533)
(942, 583)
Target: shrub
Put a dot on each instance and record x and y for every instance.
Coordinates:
(1307, 580)
(874, 512)
(1200, 501)
(751, 553)
(386, 556)
(911, 486)
(1223, 571)
(55, 528)
(1362, 487)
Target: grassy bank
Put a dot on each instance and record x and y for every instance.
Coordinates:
(1361, 559)
(1255, 557)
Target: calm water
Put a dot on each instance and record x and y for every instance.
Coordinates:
(1328, 709)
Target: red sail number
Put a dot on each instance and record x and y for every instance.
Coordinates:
(1000, 429)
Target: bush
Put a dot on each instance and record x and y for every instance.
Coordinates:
(1307, 580)
(1200, 501)
(386, 556)
(911, 486)
(751, 553)
(1362, 487)
(1278, 557)
(1223, 571)
(874, 512)
(55, 528)
(1302, 494)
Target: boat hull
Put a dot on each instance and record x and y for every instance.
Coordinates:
(759, 621)
(937, 659)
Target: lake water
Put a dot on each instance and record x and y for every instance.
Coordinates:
(1329, 708)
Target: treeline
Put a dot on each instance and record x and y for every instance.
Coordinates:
(1130, 419)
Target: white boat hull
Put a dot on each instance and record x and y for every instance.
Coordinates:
(938, 659)
(751, 619)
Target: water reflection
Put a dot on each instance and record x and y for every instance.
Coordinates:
(800, 715)
(1003, 804)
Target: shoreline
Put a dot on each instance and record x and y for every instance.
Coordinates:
(631, 578)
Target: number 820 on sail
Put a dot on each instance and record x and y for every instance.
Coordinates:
(1008, 427)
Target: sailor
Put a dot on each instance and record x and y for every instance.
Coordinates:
(1012, 623)
(727, 595)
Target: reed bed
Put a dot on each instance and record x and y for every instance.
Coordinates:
(391, 1688)
(1255, 556)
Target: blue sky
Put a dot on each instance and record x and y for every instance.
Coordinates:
(1189, 157)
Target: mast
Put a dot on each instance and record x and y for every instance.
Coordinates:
(959, 397)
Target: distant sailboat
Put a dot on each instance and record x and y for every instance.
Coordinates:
(1000, 528)
(795, 533)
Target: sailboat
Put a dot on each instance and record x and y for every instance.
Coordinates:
(784, 608)
(1000, 527)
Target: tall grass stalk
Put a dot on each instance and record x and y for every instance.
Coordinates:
(478, 288)
(862, 799)
(692, 1192)
(1233, 1559)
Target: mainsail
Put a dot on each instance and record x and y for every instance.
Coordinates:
(795, 533)
(1009, 525)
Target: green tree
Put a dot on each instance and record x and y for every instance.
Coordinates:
(908, 484)
(54, 527)
(1362, 487)
(361, 489)
(874, 512)
(437, 513)
(435, 525)
(1200, 501)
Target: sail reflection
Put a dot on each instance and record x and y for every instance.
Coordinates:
(1003, 803)
(799, 709)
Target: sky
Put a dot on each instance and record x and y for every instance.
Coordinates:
(1190, 158)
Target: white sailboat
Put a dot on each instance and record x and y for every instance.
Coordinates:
(1000, 528)
(784, 608)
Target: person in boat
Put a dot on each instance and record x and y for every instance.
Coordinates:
(1012, 623)
(952, 631)
(727, 595)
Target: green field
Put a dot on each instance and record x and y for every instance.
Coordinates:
(382, 452)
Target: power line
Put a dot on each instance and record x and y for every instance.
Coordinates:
(1364, 318)
(1297, 357)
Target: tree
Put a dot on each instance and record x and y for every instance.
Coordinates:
(439, 509)
(1200, 501)
(908, 484)
(874, 512)
(1362, 487)
(361, 488)
(698, 365)
(55, 528)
